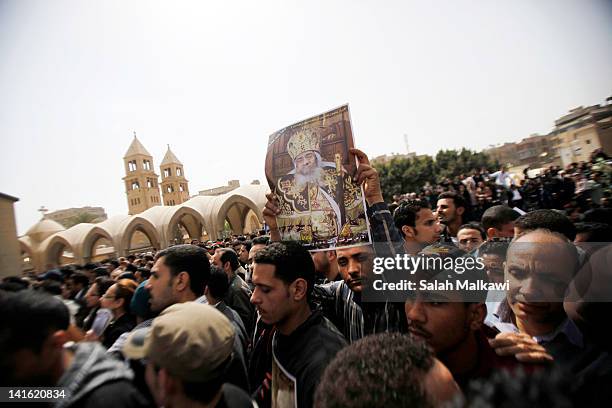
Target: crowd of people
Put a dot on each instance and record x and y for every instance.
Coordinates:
(575, 189)
(257, 321)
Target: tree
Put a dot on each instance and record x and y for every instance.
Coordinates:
(401, 175)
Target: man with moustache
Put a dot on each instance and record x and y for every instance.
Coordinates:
(304, 341)
(417, 223)
(470, 236)
(179, 275)
(451, 322)
(450, 211)
(342, 301)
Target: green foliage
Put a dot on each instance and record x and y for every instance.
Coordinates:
(403, 175)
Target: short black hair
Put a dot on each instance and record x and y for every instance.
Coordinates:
(474, 226)
(548, 219)
(191, 259)
(229, 255)
(247, 244)
(27, 318)
(218, 284)
(406, 213)
(13, 284)
(596, 231)
(457, 199)
(51, 287)
(601, 215)
(145, 273)
(497, 216)
(263, 240)
(79, 278)
(131, 268)
(380, 370)
(102, 284)
(101, 271)
(498, 248)
(447, 263)
(291, 260)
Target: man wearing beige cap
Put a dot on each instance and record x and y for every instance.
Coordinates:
(188, 350)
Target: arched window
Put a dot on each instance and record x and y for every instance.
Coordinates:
(132, 165)
(167, 172)
(146, 164)
(179, 172)
(135, 185)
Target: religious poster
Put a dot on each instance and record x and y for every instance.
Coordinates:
(284, 386)
(310, 170)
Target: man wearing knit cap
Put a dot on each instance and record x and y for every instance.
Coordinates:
(188, 349)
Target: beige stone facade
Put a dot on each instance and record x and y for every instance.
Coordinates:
(141, 182)
(533, 151)
(48, 243)
(174, 185)
(231, 185)
(582, 131)
(10, 253)
(574, 138)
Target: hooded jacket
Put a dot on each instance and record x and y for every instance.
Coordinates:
(95, 379)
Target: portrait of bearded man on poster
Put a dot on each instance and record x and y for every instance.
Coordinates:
(321, 195)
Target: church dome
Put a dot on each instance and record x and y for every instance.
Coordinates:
(44, 229)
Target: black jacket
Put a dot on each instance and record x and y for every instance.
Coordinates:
(115, 329)
(239, 298)
(303, 355)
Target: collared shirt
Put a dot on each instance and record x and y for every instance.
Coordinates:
(567, 328)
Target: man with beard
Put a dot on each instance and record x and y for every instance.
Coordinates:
(304, 341)
(450, 211)
(180, 275)
(320, 191)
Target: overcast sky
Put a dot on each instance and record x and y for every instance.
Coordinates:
(216, 78)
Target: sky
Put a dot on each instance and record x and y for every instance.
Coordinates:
(215, 78)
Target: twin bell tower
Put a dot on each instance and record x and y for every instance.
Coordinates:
(142, 185)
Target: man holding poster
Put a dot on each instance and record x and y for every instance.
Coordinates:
(307, 168)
